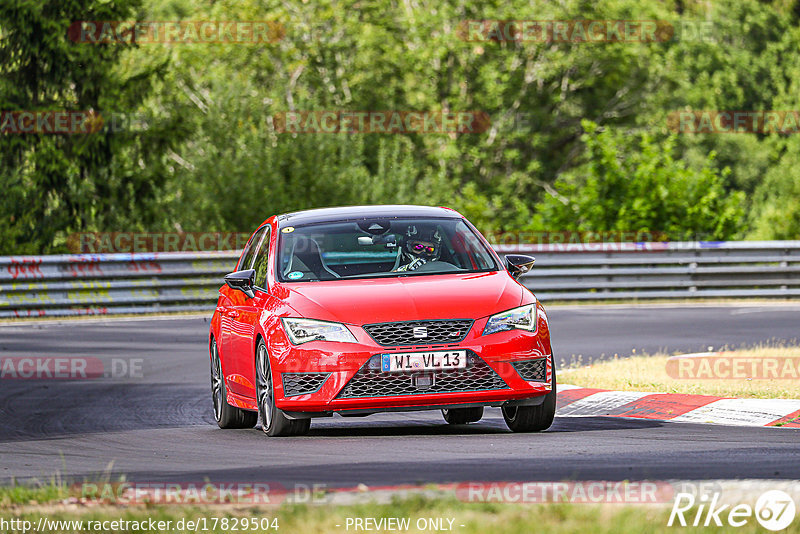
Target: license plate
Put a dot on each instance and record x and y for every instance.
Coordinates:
(424, 361)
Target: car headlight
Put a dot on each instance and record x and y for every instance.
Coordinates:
(523, 318)
(304, 330)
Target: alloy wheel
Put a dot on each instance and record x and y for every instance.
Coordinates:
(264, 385)
(216, 382)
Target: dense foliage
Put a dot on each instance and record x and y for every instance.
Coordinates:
(579, 137)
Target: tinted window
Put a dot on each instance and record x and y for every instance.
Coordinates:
(380, 248)
(250, 249)
(262, 260)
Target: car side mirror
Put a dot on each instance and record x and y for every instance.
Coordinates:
(243, 281)
(518, 264)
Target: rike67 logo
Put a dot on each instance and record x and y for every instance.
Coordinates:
(774, 510)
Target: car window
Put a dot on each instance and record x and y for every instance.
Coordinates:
(250, 250)
(379, 248)
(262, 261)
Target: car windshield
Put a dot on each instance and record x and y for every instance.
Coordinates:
(370, 248)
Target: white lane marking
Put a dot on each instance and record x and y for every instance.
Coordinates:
(743, 311)
(71, 321)
(740, 412)
(601, 403)
(695, 355)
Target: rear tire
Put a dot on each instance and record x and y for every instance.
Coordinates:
(462, 416)
(533, 418)
(227, 416)
(273, 421)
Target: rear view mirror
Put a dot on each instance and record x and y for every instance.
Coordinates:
(389, 240)
(518, 264)
(243, 281)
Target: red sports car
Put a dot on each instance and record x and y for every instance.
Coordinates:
(358, 310)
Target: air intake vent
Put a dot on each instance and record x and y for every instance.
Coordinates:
(532, 370)
(370, 381)
(302, 383)
(419, 332)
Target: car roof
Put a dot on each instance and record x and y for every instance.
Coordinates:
(346, 213)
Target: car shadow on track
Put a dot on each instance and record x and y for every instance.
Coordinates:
(338, 428)
(596, 422)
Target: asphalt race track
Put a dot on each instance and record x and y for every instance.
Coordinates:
(157, 426)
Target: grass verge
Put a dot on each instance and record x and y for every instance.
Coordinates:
(649, 373)
(457, 516)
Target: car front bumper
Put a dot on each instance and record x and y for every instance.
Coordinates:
(339, 378)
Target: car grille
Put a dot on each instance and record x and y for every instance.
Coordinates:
(370, 381)
(302, 383)
(532, 370)
(403, 333)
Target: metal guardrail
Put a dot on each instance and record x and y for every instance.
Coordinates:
(99, 284)
(704, 269)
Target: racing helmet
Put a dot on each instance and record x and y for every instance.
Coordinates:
(423, 242)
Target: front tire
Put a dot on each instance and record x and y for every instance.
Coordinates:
(273, 422)
(227, 416)
(533, 418)
(462, 416)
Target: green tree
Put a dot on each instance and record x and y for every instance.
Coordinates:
(631, 183)
(60, 184)
(777, 199)
(212, 160)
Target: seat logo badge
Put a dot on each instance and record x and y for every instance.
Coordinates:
(420, 332)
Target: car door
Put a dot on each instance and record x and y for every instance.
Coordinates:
(230, 325)
(244, 316)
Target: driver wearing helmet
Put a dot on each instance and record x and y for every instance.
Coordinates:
(420, 246)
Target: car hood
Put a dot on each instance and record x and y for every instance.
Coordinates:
(378, 300)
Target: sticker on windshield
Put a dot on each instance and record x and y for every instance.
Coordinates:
(288, 230)
(294, 275)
